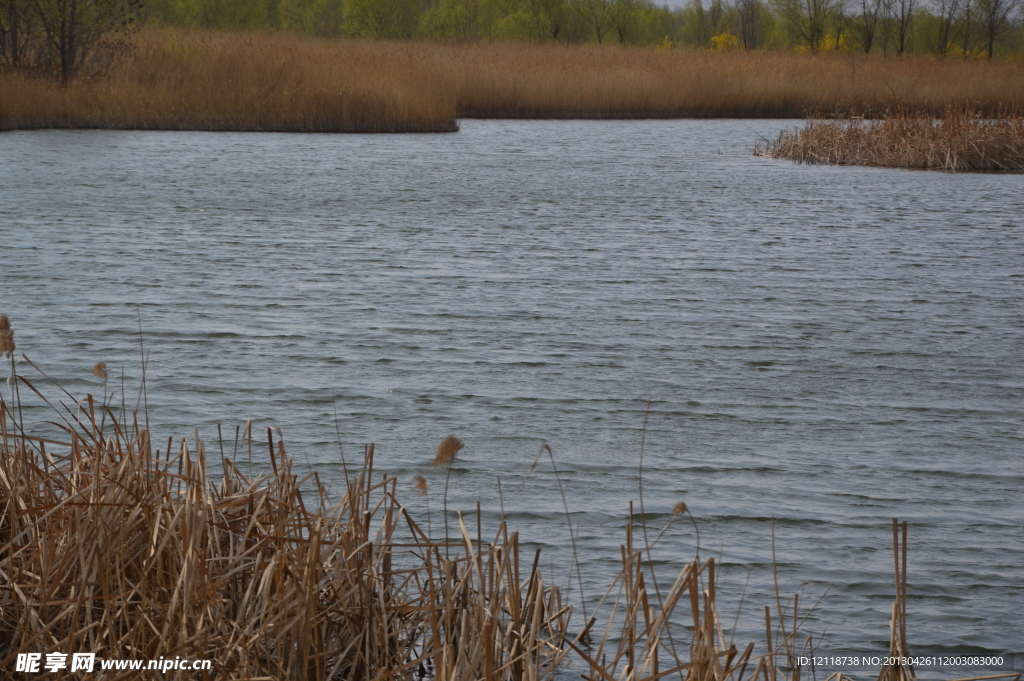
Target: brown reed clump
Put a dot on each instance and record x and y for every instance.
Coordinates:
(211, 80)
(100, 370)
(959, 140)
(112, 547)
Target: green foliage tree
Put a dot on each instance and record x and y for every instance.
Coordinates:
(596, 14)
(320, 17)
(807, 21)
(659, 25)
(705, 21)
(534, 20)
(624, 18)
(241, 15)
(381, 18)
(455, 20)
(963, 27)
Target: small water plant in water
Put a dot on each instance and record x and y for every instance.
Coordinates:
(961, 139)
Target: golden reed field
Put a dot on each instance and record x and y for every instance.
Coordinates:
(206, 80)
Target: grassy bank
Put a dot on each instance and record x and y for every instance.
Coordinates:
(957, 140)
(205, 80)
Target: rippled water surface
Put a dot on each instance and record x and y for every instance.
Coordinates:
(831, 347)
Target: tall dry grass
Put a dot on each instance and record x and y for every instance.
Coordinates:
(174, 80)
(110, 543)
(957, 140)
(512, 80)
(207, 80)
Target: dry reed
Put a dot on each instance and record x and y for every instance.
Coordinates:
(959, 140)
(112, 546)
(6, 336)
(512, 80)
(224, 81)
(446, 451)
(208, 80)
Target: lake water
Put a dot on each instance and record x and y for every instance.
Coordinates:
(827, 346)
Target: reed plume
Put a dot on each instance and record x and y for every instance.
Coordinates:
(6, 336)
(445, 456)
(419, 485)
(446, 451)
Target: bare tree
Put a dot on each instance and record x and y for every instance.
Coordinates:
(73, 28)
(903, 14)
(748, 12)
(947, 13)
(996, 18)
(965, 27)
(867, 23)
(15, 31)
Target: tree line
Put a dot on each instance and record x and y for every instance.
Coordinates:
(62, 36)
(968, 28)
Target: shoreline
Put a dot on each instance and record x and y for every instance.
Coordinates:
(212, 80)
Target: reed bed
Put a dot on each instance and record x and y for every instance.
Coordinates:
(209, 80)
(510, 80)
(172, 80)
(958, 140)
(112, 544)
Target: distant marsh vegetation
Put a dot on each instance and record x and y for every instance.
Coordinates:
(173, 79)
(957, 140)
